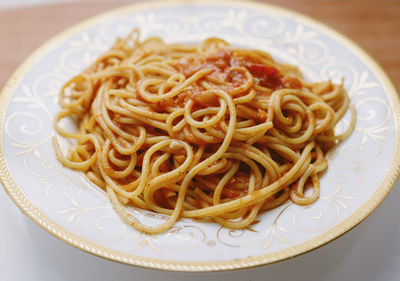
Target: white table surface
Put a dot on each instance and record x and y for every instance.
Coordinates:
(371, 251)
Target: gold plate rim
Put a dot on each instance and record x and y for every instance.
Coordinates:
(43, 221)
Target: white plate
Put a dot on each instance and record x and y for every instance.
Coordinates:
(65, 203)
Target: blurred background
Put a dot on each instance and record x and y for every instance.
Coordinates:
(22, 3)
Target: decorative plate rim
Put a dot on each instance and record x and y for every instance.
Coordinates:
(50, 226)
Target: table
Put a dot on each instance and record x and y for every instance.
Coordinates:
(369, 252)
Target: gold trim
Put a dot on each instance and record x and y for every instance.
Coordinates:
(39, 218)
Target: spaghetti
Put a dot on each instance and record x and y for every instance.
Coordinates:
(210, 131)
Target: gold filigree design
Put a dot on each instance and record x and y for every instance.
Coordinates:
(147, 242)
(338, 202)
(370, 135)
(181, 234)
(274, 229)
(254, 235)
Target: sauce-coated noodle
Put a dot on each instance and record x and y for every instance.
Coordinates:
(207, 131)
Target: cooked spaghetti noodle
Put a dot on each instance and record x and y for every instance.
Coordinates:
(210, 131)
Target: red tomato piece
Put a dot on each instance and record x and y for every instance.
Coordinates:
(268, 76)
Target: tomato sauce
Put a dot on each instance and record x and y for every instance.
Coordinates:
(221, 60)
